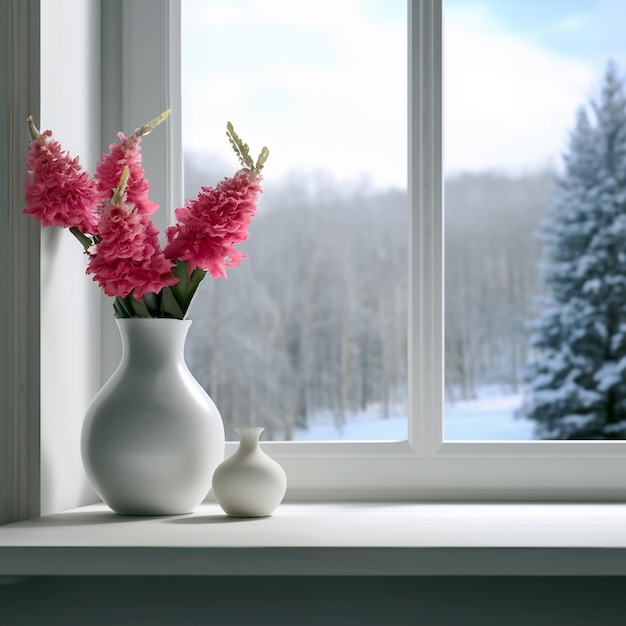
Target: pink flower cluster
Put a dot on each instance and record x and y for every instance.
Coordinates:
(127, 256)
(59, 192)
(127, 153)
(122, 242)
(208, 227)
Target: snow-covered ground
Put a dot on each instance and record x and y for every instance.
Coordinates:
(489, 418)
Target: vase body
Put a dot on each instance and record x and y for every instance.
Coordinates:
(249, 483)
(152, 437)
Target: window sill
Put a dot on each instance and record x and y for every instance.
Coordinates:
(326, 539)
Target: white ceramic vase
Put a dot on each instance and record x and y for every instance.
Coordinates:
(152, 437)
(249, 483)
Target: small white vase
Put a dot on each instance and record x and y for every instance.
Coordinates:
(249, 483)
(152, 437)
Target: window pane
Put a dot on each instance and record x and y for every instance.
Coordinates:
(308, 336)
(535, 121)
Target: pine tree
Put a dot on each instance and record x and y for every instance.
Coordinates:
(577, 384)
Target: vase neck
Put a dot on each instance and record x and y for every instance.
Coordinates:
(249, 437)
(153, 340)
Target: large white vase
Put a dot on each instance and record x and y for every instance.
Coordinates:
(152, 437)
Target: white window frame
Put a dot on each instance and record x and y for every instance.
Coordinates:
(19, 269)
(423, 467)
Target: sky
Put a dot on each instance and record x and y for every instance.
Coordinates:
(322, 83)
(516, 73)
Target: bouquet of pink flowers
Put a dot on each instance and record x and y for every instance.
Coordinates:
(109, 214)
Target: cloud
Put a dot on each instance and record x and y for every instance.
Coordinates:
(509, 105)
(341, 108)
(572, 23)
(323, 84)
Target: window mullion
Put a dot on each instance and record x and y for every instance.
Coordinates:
(426, 232)
(151, 83)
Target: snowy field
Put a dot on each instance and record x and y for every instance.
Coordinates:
(489, 418)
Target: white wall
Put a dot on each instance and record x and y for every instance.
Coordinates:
(50, 311)
(19, 266)
(70, 301)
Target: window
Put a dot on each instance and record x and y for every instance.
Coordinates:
(533, 325)
(424, 466)
(308, 336)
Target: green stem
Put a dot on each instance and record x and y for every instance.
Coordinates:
(187, 284)
(194, 282)
(86, 242)
(171, 302)
(119, 194)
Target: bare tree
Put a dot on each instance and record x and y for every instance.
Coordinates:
(491, 277)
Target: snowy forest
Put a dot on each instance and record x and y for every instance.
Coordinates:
(535, 285)
(315, 319)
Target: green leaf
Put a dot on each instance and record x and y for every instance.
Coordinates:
(152, 301)
(194, 282)
(169, 305)
(196, 278)
(181, 288)
(187, 285)
(135, 307)
(170, 302)
(120, 309)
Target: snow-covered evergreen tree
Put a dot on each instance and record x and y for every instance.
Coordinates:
(577, 384)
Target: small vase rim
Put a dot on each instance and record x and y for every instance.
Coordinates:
(249, 429)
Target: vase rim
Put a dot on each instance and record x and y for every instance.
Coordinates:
(249, 428)
(154, 320)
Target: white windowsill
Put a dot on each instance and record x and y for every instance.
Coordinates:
(326, 539)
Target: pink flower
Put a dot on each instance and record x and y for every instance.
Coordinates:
(128, 257)
(208, 227)
(127, 153)
(58, 192)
